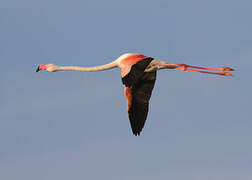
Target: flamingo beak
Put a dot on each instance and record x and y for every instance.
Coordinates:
(38, 69)
(42, 67)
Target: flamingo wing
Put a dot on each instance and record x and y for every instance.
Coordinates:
(138, 96)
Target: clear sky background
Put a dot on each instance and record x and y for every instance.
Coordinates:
(74, 125)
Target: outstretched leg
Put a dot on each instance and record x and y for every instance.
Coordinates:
(185, 67)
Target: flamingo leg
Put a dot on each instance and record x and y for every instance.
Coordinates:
(207, 68)
(185, 67)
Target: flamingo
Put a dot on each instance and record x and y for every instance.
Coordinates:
(138, 73)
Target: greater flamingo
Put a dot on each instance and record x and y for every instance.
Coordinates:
(138, 74)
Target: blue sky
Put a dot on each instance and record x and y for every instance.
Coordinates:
(74, 125)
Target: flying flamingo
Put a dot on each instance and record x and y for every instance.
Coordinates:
(138, 74)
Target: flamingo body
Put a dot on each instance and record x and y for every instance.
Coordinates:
(126, 61)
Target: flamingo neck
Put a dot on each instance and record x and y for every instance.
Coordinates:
(95, 68)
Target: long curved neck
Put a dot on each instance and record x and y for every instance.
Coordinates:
(95, 68)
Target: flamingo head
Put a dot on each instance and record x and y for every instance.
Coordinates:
(47, 67)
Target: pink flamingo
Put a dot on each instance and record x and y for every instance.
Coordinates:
(138, 74)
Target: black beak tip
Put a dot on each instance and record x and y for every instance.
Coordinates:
(37, 70)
